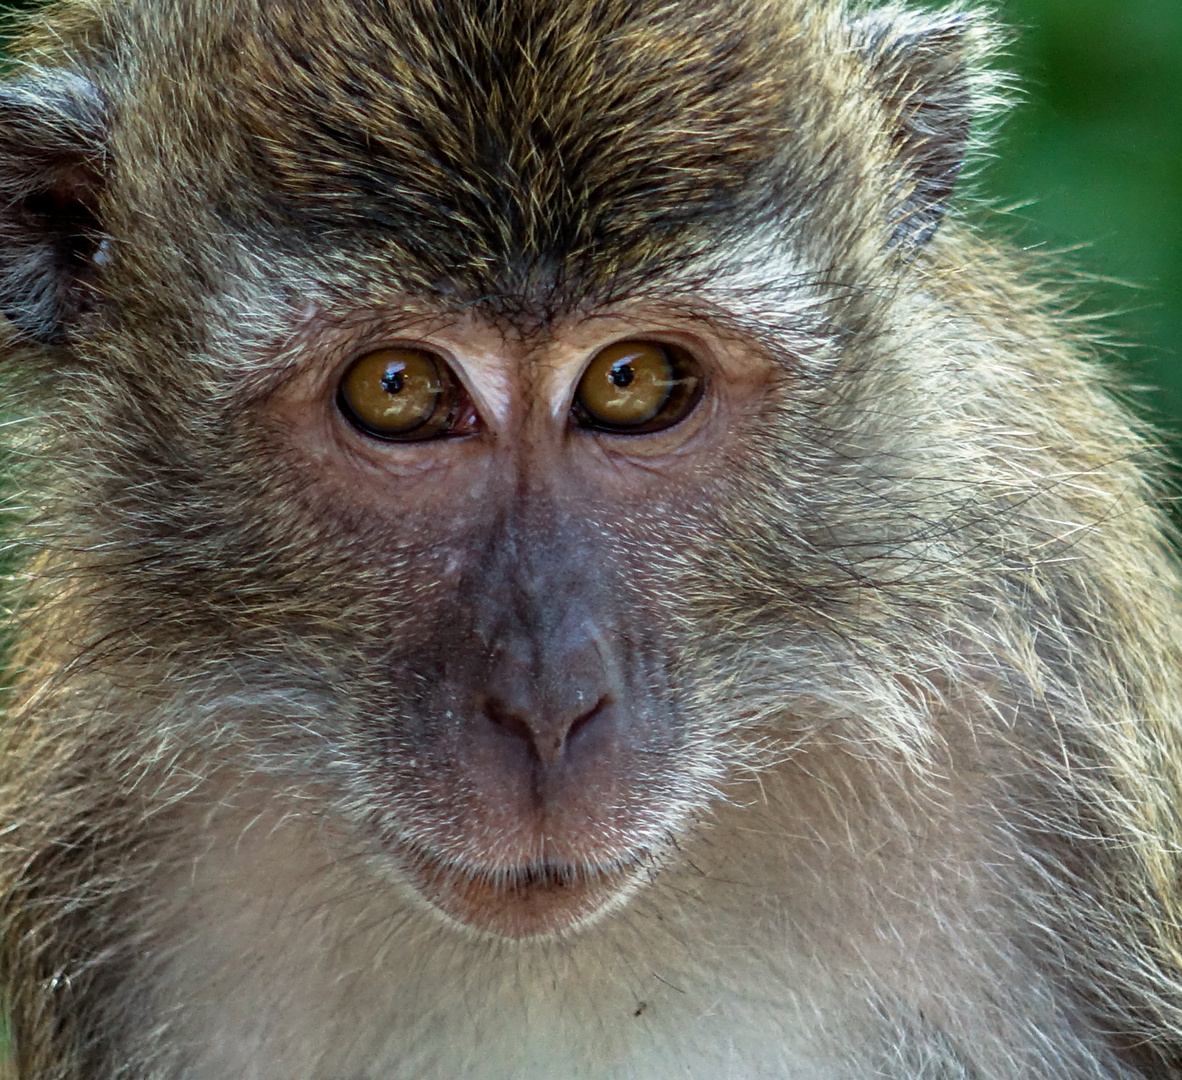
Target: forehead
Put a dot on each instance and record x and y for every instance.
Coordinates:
(526, 148)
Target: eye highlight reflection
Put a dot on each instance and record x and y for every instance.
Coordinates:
(634, 387)
(400, 394)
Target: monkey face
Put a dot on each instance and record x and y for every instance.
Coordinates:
(465, 437)
(470, 551)
(526, 742)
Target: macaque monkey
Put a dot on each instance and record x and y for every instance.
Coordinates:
(547, 550)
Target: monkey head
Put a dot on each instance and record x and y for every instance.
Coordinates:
(445, 400)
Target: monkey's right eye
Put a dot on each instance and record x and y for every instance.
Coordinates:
(400, 394)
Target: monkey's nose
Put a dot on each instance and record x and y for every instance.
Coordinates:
(546, 730)
(550, 680)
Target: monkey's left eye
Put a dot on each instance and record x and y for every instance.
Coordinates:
(634, 387)
(401, 395)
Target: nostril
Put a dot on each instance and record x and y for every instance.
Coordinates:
(582, 721)
(547, 736)
(508, 719)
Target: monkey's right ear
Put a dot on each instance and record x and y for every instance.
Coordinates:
(52, 170)
(929, 72)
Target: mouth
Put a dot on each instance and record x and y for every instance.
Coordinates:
(529, 900)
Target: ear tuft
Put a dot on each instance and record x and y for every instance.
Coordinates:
(52, 170)
(929, 70)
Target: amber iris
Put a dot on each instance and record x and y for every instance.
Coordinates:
(399, 394)
(637, 386)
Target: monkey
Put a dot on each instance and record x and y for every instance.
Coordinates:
(546, 543)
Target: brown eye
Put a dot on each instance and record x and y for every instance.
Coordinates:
(636, 387)
(400, 394)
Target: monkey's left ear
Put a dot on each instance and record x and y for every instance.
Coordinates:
(52, 167)
(928, 70)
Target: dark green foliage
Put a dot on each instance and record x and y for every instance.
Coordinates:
(1096, 148)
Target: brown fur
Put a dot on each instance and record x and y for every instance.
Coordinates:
(925, 631)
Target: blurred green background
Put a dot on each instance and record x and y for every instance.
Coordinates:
(1092, 160)
(1094, 155)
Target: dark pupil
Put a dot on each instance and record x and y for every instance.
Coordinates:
(393, 381)
(622, 374)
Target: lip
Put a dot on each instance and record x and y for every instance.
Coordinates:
(531, 900)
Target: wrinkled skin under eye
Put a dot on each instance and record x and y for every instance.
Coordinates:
(634, 387)
(400, 394)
